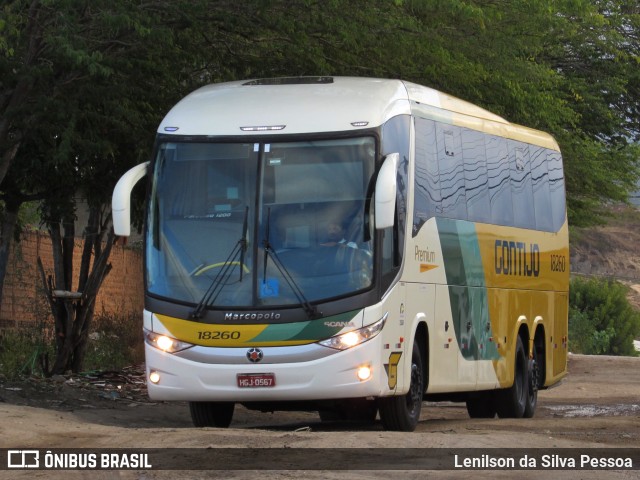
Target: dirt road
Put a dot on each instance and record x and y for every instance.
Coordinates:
(597, 405)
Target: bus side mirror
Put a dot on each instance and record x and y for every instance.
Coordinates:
(385, 195)
(121, 199)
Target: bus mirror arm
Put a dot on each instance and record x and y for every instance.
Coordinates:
(121, 199)
(385, 195)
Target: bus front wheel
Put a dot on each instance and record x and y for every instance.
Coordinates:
(402, 413)
(357, 410)
(211, 414)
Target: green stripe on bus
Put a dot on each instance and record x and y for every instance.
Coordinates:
(467, 290)
(318, 329)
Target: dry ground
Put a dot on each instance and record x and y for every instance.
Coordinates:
(597, 405)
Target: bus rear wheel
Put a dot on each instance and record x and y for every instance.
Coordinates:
(211, 414)
(532, 386)
(402, 413)
(512, 402)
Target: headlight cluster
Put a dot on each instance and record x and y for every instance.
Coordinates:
(165, 343)
(355, 337)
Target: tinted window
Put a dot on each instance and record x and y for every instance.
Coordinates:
(521, 189)
(468, 175)
(453, 202)
(540, 181)
(499, 181)
(475, 176)
(556, 188)
(427, 191)
(395, 139)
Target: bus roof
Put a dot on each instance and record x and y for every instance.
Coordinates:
(323, 104)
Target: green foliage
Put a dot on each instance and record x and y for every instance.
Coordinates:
(117, 342)
(568, 67)
(20, 352)
(584, 337)
(96, 77)
(601, 320)
(83, 85)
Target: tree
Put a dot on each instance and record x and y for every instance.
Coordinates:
(596, 52)
(83, 85)
(86, 73)
(567, 67)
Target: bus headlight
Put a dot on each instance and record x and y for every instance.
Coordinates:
(164, 342)
(355, 337)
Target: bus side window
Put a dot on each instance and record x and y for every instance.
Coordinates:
(475, 175)
(499, 180)
(541, 195)
(395, 139)
(387, 250)
(556, 189)
(522, 191)
(452, 189)
(427, 198)
(392, 245)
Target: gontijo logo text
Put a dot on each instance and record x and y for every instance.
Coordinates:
(517, 258)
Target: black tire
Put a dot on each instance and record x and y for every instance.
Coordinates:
(532, 386)
(211, 414)
(481, 406)
(329, 416)
(352, 411)
(402, 413)
(368, 413)
(511, 402)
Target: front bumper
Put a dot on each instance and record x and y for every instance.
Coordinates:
(329, 377)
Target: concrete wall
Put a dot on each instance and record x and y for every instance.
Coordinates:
(22, 299)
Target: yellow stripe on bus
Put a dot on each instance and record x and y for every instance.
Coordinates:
(211, 335)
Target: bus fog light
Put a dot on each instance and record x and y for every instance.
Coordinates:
(154, 377)
(364, 373)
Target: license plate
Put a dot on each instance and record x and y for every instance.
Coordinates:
(256, 380)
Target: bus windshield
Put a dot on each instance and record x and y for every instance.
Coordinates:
(260, 224)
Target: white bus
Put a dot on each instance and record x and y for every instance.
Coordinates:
(350, 246)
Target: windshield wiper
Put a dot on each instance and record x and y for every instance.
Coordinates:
(217, 284)
(311, 310)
